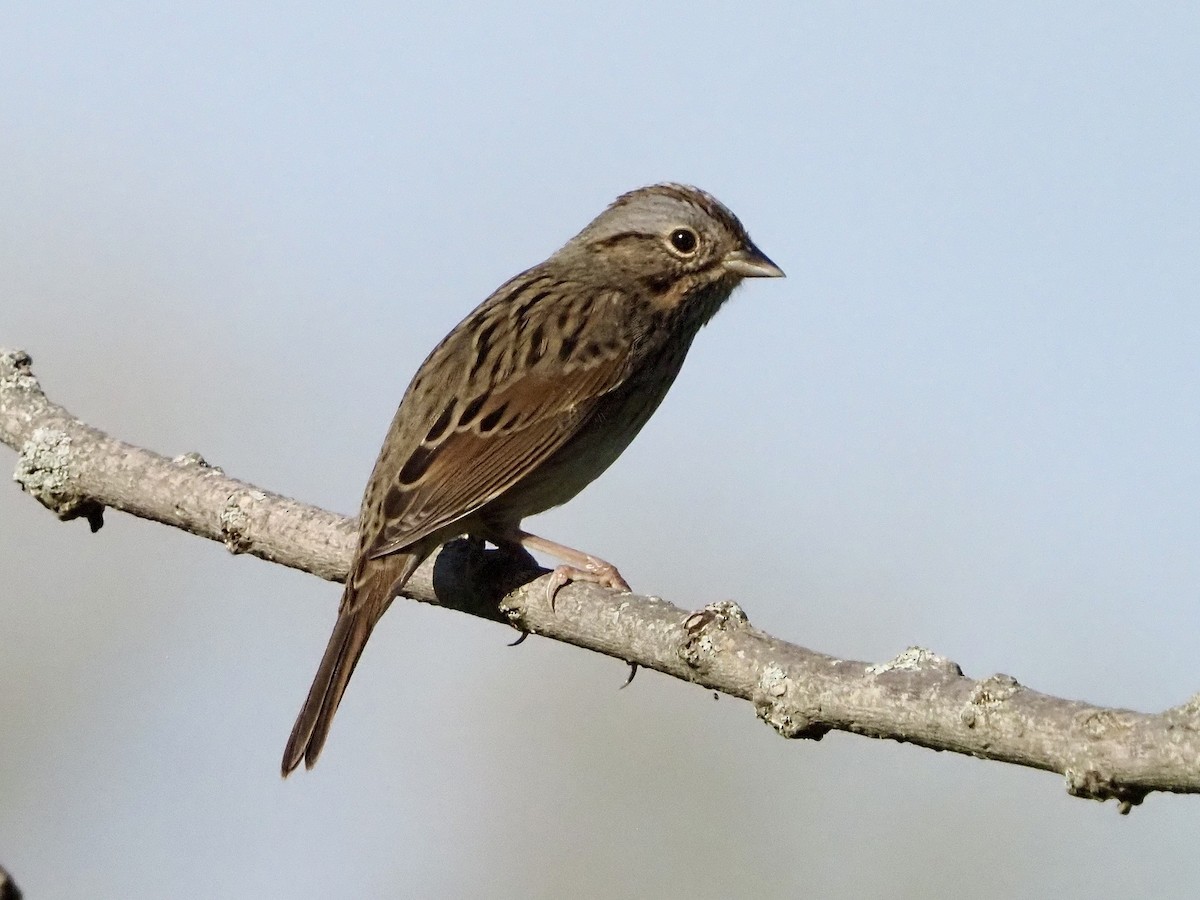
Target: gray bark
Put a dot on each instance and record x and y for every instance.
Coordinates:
(78, 471)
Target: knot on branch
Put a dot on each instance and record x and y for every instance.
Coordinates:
(782, 704)
(916, 659)
(703, 627)
(44, 472)
(194, 459)
(235, 519)
(1090, 782)
(16, 372)
(1103, 724)
(988, 695)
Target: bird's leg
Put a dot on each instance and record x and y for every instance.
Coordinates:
(513, 549)
(578, 566)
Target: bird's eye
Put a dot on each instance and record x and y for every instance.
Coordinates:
(684, 241)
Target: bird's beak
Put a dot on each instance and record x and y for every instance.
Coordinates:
(750, 262)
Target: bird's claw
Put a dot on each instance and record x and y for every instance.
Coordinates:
(633, 670)
(596, 571)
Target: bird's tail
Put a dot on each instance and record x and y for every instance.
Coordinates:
(368, 593)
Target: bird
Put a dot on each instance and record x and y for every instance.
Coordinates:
(527, 400)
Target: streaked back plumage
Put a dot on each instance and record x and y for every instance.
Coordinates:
(528, 399)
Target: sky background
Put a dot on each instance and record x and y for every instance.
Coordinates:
(969, 419)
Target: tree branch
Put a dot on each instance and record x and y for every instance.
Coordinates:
(918, 697)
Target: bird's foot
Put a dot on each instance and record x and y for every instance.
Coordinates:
(593, 570)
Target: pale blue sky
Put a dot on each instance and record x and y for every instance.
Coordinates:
(969, 419)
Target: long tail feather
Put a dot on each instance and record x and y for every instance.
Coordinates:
(367, 595)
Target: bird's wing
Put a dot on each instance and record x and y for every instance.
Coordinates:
(518, 403)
